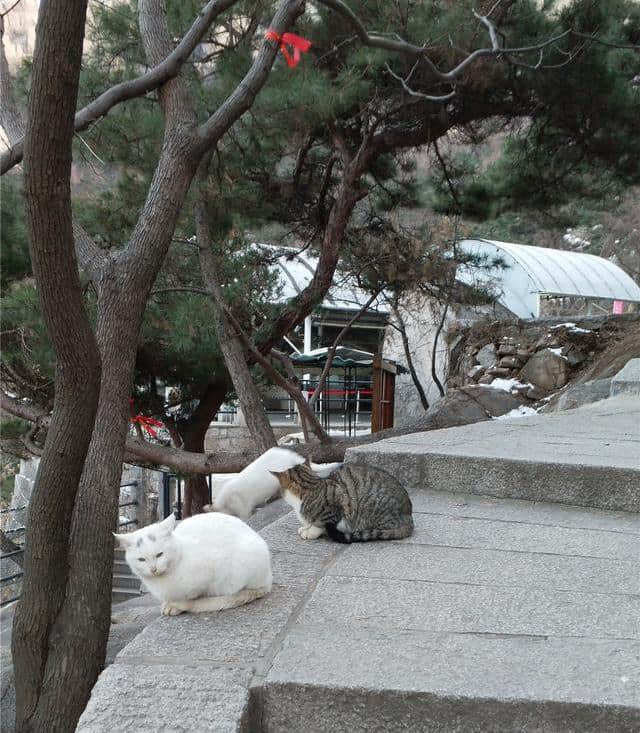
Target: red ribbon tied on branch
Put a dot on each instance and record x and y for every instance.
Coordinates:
(298, 45)
(146, 423)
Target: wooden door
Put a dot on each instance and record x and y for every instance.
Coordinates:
(384, 378)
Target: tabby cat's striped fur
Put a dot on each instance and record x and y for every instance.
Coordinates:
(357, 503)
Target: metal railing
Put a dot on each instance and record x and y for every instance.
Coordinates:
(172, 492)
(14, 577)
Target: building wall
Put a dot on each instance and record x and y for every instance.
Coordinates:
(421, 316)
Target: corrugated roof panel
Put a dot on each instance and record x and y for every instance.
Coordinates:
(296, 270)
(560, 272)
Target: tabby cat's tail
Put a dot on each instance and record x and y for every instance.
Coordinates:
(368, 535)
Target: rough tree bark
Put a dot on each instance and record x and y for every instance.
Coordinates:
(47, 169)
(60, 651)
(230, 345)
(192, 432)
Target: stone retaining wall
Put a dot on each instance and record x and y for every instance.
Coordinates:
(237, 438)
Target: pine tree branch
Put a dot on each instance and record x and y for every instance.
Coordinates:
(150, 80)
(332, 349)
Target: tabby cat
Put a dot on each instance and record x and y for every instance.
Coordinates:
(357, 503)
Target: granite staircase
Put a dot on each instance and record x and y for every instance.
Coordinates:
(514, 606)
(125, 584)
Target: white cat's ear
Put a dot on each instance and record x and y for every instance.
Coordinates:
(280, 475)
(123, 540)
(168, 525)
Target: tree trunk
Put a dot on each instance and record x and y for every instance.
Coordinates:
(434, 373)
(230, 345)
(402, 329)
(193, 432)
(47, 164)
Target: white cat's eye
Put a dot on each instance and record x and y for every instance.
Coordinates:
(141, 559)
(159, 554)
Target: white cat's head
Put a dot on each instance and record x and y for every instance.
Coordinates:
(151, 551)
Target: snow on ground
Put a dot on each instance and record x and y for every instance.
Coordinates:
(558, 352)
(572, 327)
(522, 411)
(507, 384)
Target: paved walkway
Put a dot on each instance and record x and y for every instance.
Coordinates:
(587, 457)
(496, 615)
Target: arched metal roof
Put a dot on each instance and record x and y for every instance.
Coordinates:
(532, 271)
(296, 270)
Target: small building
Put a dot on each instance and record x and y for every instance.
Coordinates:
(526, 283)
(346, 402)
(533, 282)
(344, 299)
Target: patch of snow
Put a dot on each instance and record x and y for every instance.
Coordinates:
(575, 240)
(506, 384)
(572, 327)
(522, 411)
(558, 352)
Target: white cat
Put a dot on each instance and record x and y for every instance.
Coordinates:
(204, 563)
(255, 484)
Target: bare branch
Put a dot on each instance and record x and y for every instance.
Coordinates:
(23, 410)
(149, 81)
(375, 40)
(28, 441)
(10, 8)
(420, 95)
(182, 289)
(140, 452)
(402, 329)
(434, 374)
(278, 379)
(243, 95)
(332, 350)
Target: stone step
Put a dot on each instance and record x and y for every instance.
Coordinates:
(585, 457)
(495, 615)
(124, 594)
(126, 581)
(121, 567)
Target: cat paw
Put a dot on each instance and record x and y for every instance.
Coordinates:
(169, 610)
(310, 533)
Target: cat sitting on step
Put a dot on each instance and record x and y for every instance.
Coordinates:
(255, 484)
(357, 503)
(204, 563)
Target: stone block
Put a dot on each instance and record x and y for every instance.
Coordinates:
(510, 362)
(181, 698)
(499, 371)
(394, 605)
(627, 380)
(584, 394)
(569, 457)
(535, 393)
(476, 562)
(487, 356)
(497, 683)
(236, 636)
(476, 372)
(507, 349)
(573, 355)
(522, 514)
(546, 369)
